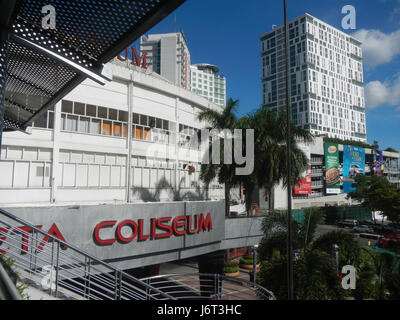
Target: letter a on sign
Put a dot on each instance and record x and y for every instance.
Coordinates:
(49, 21)
(349, 21)
(349, 277)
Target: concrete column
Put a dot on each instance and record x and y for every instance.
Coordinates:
(55, 164)
(3, 77)
(177, 147)
(129, 141)
(212, 263)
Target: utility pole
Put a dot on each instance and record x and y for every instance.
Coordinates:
(289, 171)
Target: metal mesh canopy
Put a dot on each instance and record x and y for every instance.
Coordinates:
(39, 66)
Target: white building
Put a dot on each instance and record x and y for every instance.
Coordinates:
(168, 55)
(326, 78)
(81, 151)
(206, 82)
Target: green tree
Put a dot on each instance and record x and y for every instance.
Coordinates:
(315, 277)
(274, 226)
(312, 218)
(378, 194)
(225, 173)
(270, 151)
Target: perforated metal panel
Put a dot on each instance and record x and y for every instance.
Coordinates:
(88, 33)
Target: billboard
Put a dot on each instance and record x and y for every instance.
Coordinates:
(378, 165)
(332, 171)
(303, 187)
(353, 165)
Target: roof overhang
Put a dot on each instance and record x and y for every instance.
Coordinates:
(43, 65)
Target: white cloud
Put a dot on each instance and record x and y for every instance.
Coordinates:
(378, 47)
(382, 93)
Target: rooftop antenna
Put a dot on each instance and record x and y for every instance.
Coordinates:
(174, 22)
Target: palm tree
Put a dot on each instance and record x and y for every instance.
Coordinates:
(224, 172)
(270, 151)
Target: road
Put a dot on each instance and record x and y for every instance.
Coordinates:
(322, 229)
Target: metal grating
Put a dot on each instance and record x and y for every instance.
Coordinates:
(88, 34)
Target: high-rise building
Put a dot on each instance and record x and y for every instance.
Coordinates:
(206, 82)
(168, 55)
(326, 78)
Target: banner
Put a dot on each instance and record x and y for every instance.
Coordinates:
(378, 166)
(332, 172)
(303, 187)
(353, 165)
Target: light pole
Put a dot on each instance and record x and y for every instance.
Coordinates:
(255, 263)
(289, 171)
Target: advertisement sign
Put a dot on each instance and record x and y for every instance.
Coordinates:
(303, 187)
(332, 171)
(353, 165)
(378, 166)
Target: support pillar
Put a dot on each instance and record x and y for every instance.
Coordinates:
(55, 164)
(211, 264)
(3, 78)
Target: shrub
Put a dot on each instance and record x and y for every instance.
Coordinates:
(231, 267)
(248, 259)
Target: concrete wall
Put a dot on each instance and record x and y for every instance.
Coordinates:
(77, 225)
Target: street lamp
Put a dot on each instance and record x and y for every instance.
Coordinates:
(255, 263)
(289, 171)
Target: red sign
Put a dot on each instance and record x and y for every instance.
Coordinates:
(304, 186)
(136, 61)
(160, 228)
(25, 233)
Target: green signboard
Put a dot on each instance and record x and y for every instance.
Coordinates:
(332, 171)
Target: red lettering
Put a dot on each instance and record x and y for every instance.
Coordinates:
(120, 58)
(2, 238)
(141, 236)
(101, 225)
(53, 231)
(153, 228)
(132, 225)
(136, 61)
(165, 227)
(206, 223)
(176, 224)
(189, 224)
(139, 62)
(25, 238)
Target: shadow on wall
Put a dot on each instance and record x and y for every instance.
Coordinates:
(164, 187)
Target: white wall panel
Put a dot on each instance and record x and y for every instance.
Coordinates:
(6, 169)
(94, 174)
(21, 174)
(105, 176)
(68, 175)
(82, 175)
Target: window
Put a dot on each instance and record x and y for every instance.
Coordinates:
(66, 106)
(79, 108)
(91, 110)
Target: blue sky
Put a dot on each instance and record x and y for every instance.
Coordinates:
(226, 33)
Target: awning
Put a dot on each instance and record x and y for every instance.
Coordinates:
(39, 66)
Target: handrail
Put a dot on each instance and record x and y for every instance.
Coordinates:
(217, 277)
(90, 257)
(10, 289)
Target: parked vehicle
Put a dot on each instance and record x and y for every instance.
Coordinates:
(367, 222)
(370, 236)
(348, 223)
(363, 229)
(355, 170)
(384, 229)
